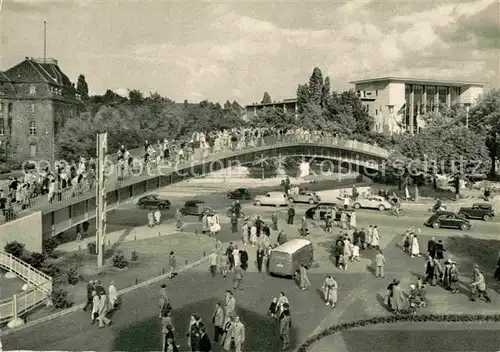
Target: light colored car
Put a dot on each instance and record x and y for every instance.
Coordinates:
(305, 197)
(272, 198)
(373, 202)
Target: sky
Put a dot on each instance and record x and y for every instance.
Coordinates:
(237, 50)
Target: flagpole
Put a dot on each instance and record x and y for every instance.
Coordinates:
(44, 42)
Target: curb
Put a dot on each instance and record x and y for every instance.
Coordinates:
(79, 307)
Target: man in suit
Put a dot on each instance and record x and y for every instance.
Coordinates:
(218, 321)
(90, 297)
(204, 345)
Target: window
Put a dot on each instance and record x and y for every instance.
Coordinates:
(32, 89)
(391, 109)
(376, 93)
(32, 128)
(2, 128)
(32, 108)
(376, 111)
(32, 150)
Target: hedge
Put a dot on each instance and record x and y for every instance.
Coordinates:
(440, 318)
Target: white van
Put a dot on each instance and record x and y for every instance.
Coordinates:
(286, 259)
(272, 198)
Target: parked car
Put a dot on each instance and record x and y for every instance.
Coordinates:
(272, 198)
(305, 197)
(323, 208)
(196, 207)
(153, 201)
(373, 202)
(448, 219)
(240, 194)
(477, 211)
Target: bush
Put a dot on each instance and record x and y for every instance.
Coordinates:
(119, 261)
(48, 247)
(73, 276)
(59, 298)
(135, 256)
(15, 248)
(92, 247)
(36, 260)
(50, 269)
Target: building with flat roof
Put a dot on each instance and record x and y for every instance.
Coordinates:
(397, 104)
(288, 106)
(36, 98)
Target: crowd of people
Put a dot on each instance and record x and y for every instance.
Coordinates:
(47, 183)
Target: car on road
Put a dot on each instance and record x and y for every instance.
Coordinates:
(448, 219)
(373, 202)
(305, 197)
(323, 209)
(153, 201)
(239, 194)
(477, 211)
(196, 207)
(277, 199)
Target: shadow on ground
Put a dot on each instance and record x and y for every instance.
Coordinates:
(261, 331)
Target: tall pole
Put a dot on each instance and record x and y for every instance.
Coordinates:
(44, 42)
(102, 146)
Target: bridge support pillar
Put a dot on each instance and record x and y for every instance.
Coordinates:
(16, 321)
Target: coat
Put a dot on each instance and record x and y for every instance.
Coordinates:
(304, 279)
(285, 325)
(204, 344)
(375, 238)
(227, 337)
(239, 332)
(218, 318)
(330, 290)
(415, 247)
(398, 301)
(103, 306)
(113, 295)
(353, 220)
(230, 306)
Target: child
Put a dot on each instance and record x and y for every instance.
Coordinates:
(272, 307)
(355, 252)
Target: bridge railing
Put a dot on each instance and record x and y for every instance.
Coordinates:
(218, 150)
(39, 284)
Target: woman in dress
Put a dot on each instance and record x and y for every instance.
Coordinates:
(415, 247)
(253, 235)
(192, 320)
(244, 234)
(304, 279)
(227, 336)
(330, 287)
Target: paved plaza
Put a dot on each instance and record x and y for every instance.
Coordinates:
(136, 326)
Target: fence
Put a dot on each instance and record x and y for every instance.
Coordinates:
(17, 305)
(68, 194)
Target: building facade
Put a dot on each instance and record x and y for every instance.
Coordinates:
(288, 106)
(398, 104)
(36, 98)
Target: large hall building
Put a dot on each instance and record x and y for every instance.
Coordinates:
(397, 104)
(36, 98)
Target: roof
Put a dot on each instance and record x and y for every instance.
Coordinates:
(284, 101)
(33, 70)
(292, 245)
(458, 83)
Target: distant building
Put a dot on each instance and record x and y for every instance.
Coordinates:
(397, 104)
(36, 98)
(288, 106)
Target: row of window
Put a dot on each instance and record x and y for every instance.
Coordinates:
(31, 129)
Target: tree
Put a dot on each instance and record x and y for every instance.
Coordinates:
(266, 99)
(269, 117)
(316, 87)
(484, 119)
(82, 87)
(135, 97)
(326, 93)
(302, 97)
(186, 104)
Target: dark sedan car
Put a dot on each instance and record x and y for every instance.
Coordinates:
(153, 201)
(448, 219)
(239, 194)
(482, 211)
(196, 207)
(323, 208)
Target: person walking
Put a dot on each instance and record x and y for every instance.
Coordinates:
(179, 219)
(218, 321)
(223, 263)
(238, 277)
(415, 247)
(304, 279)
(157, 215)
(261, 253)
(285, 325)
(431, 247)
(151, 219)
(95, 307)
(238, 334)
(274, 221)
(164, 301)
(212, 259)
(113, 296)
(380, 263)
(90, 297)
(291, 215)
(172, 263)
(330, 287)
(479, 286)
(245, 232)
(234, 223)
(230, 306)
(227, 337)
(375, 238)
(352, 220)
(103, 311)
(204, 345)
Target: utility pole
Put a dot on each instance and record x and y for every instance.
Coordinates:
(102, 148)
(44, 42)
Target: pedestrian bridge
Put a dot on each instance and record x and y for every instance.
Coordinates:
(78, 205)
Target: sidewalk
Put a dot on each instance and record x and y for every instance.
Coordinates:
(123, 235)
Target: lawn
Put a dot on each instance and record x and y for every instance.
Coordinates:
(153, 261)
(9, 287)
